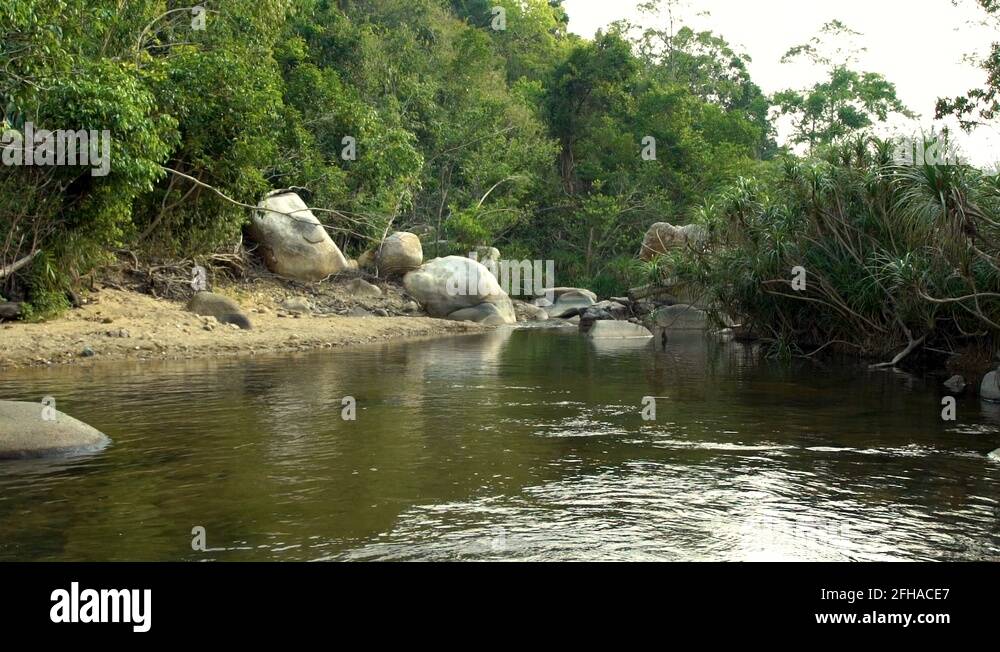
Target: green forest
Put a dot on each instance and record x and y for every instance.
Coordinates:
(486, 123)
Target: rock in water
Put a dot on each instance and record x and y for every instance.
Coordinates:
(225, 310)
(528, 312)
(447, 287)
(990, 390)
(487, 314)
(614, 330)
(293, 242)
(994, 455)
(955, 384)
(556, 293)
(25, 432)
(400, 253)
(570, 303)
(680, 317)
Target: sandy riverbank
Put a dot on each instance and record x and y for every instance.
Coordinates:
(120, 324)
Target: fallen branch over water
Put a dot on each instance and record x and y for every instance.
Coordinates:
(910, 348)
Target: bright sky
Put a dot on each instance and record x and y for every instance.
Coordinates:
(917, 44)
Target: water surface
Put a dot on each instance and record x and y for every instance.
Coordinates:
(520, 445)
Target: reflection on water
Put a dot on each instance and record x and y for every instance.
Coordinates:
(512, 445)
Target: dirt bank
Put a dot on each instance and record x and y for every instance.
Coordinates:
(116, 323)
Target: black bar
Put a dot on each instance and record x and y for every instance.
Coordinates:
(249, 600)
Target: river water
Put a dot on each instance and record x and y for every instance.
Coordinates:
(519, 445)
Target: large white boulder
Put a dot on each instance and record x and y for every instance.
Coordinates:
(400, 253)
(292, 241)
(460, 288)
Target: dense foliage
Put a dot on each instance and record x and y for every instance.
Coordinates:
(855, 250)
(509, 134)
(474, 126)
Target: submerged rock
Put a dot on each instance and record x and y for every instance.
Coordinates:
(955, 384)
(223, 309)
(615, 330)
(25, 432)
(990, 389)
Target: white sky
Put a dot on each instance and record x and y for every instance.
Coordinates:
(917, 44)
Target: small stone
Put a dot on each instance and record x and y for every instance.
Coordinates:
(411, 306)
(88, 352)
(380, 312)
(297, 305)
(361, 288)
(107, 320)
(994, 455)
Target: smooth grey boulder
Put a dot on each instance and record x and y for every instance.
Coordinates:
(297, 305)
(10, 310)
(224, 309)
(680, 317)
(26, 433)
(446, 286)
(616, 309)
(400, 253)
(528, 312)
(570, 303)
(614, 330)
(555, 293)
(293, 242)
(485, 313)
(990, 389)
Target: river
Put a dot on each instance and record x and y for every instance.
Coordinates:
(513, 445)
